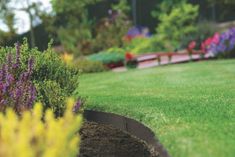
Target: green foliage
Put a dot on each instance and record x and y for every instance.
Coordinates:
(165, 7)
(54, 80)
(142, 45)
(71, 24)
(75, 7)
(176, 27)
(110, 31)
(122, 6)
(107, 58)
(115, 50)
(50, 93)
(76, 34)
(88, 66)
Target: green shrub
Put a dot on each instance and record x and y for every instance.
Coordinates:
(50, 93)
(142, 46)
(88, 66)
(176, 26)
(29, 136)
(110, 31)
(116, 50)
(107, 58)
(49, 74)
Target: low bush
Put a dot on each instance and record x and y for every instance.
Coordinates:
(28, 136)
(88, 66)
(107, 58)
(116, 50)
(142, 46)
(54, 80)
(177, 24)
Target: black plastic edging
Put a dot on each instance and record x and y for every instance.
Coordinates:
(129, 125)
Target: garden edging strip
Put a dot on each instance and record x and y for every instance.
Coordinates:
(129, 125)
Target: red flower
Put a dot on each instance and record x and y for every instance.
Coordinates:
(129, 56)
(208, 41)
(192, 45)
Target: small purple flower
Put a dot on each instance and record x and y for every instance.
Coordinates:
(30, 65)
(77, 106)
(16, 91)
(9, 59)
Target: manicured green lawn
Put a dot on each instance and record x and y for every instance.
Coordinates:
(190, 107)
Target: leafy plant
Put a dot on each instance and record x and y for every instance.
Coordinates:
(89, 66)
(110, 31)
(71, 25)
(54, 80)
(142, 46)
(29, 136)
(176, 26)
(16, 87)
(106, 57)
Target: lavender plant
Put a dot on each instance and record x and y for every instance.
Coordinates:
(35, 76)
(16, 88)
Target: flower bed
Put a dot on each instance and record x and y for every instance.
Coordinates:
(27, 76)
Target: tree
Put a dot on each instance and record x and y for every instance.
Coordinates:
(7, 18)
(8, 12)
(69, 22)
(177, 25)
(165, 7)
(110, 31)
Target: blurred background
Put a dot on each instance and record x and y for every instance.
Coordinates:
(86, 27)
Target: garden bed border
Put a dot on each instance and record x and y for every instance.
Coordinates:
(129, 125)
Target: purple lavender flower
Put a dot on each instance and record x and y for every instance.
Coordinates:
(30, 65)
(77, 106)
(16, 65)
(9, 59)
(17, 92)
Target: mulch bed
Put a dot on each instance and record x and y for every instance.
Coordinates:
(99, 140)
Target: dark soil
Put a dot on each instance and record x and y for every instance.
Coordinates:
(105, 141)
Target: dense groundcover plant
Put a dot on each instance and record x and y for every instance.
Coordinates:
(53, 79)
(29, 136)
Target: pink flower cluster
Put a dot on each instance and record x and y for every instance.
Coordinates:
(220, 43)
(209, 41)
